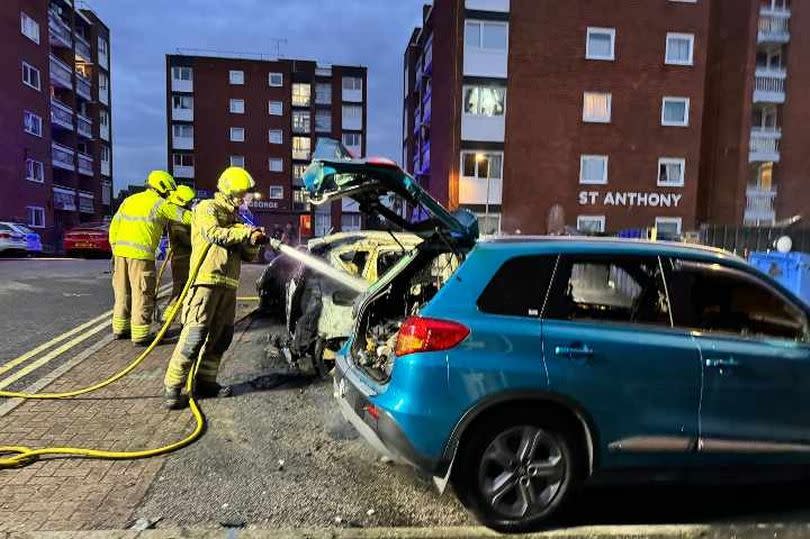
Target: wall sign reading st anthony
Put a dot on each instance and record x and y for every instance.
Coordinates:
(630, 199)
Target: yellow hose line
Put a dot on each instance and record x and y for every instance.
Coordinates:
(162, 269)
(25, 455)
(247, 298)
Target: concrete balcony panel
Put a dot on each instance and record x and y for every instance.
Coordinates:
(85, 164)
(61, 73)
(769, 86)
(774, 26)
(62, 157)
(765, 145)
(61, 115)
(84, 126)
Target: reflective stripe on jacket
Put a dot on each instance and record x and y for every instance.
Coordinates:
(136, 227)
(215, 222)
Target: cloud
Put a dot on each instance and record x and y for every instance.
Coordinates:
(373, 33)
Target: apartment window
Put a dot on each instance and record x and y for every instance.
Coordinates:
(275, 108)
(183, 102)
(352, 117)
(103, 47)
(486, 35)
(29, 27)
(34, 170)
(103, 118)
(765, 118)
(668, 226)
(275, 79)
(183, 131)
(276, 192)
(298, 171)
(236, 77)
(301, 121)
(276, 136)
(31, 76)
(482, 165)
(237, 134)
(237, 106)
(323, 121)
(276, 164)
(770, 58)
(484, 100)
(601, 44)
(103, 84)
(675, 111)
(181, 73)
(593, 169)
(301, 147)
(591, 223)
(671, 171)
(680, 49)
(32, 123)
(352, 139)
(104, 154)
(36, 216)
(597, 107)
(183, 159)
(352, 83)
(323, 93)
(237, 161)
(301, 94)
(351, 222)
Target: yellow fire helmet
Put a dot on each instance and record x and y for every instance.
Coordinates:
(161, 181)
(235, 182)
(182, 196)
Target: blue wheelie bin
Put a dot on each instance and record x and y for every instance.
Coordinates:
(792, 270)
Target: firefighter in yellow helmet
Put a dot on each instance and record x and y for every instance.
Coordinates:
(209, 309)
(180, 244)
(135, 232)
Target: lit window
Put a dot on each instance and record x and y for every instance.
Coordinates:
(484, 100)
(275, 79)
(675, 111)
(680, 49)
(237, 134)
(323, 93)
(36, 216)
(32, 123)
(275, 108)
(276, 164)
(668, 226)
(276, 136)
(487, 35)
(181, 73)
(593, 169)
(298, 171)
(34, 170)
(237, 106)
(671, 171)
(301, 94)
(482, 165)
(601, 44)
(301, 121)
(182, 102)
(29, 27)
(301, 147)
(31, 76)
(236, 77)
(323, 121)
(591, 223)
(276, 192)
(596, 107)
(237, 161)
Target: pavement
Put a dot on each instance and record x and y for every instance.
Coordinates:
(278, 460)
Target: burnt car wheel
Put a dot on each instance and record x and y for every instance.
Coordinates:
(516, 470)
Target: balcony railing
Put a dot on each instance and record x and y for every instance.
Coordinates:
(61, 74)
(61, 115)
(84, 126)
(85, 164)
(774, 25)
(83, 49)
(765, 143)
(83, 87)
(62, 157)
(59, 31)
(759, 207)
(769, 86)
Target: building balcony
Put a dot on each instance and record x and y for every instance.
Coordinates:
(61, 73)
(59, 31)
(83, 49)
(183, 143)
(765, 144)
(86, 203)
(299, 154)
(83, 87)
(61, 115)
(774, 26)
(85, 164)
(104, 60)
(183, 171)
(84, 126)
(104, 132)
(62, 157)
(182, 85)
(769, 85)
(759, 208)
(106, 168)
(183, 115)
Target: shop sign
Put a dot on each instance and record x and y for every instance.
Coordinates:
(630, 199)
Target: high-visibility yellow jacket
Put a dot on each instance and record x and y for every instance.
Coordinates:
(216, 222)
(136, 227)
(180, 240)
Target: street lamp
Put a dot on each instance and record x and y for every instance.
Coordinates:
(480, 158)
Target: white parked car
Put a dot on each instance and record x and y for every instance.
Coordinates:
(11, 240)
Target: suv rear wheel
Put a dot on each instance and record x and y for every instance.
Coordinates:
(516, 470)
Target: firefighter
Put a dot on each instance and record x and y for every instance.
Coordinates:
(180, 244)
(209, 309)
(135, 232)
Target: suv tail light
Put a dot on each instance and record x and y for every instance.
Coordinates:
(4, 235)
(419, 334)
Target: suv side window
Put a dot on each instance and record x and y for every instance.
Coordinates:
(609, 288)
(718, 299)
(519, 286)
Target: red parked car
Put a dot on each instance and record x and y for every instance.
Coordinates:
(88, 239)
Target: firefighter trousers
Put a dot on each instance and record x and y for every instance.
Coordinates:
(180, 269)
(134, 289)
(208, 318)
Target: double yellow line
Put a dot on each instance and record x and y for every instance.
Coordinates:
(76, 335)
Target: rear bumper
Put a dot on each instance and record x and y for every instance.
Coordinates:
(84, 245)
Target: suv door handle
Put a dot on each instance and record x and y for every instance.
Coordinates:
(580, 351)
(729, 362)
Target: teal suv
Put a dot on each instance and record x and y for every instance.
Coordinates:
(520, 368)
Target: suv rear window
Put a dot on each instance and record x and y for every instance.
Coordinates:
(519, 286)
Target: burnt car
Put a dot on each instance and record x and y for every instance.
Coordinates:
(318, 309)
(272, 284)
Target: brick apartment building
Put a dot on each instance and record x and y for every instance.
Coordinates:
(55, 116)
(265, 115)
(610, 113)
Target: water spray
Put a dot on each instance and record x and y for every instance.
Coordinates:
(318, 265)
